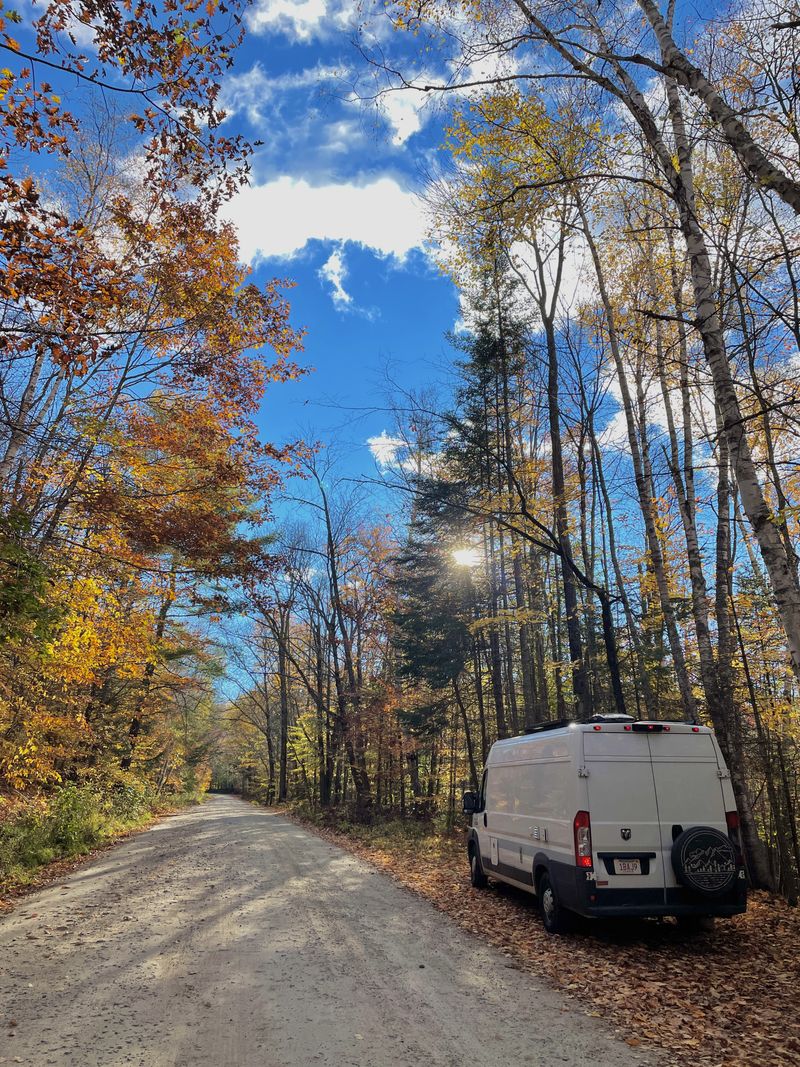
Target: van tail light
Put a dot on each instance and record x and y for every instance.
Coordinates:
(732, 819)
(583, 839)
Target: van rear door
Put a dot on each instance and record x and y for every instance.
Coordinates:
(689, 785)
(626, 836)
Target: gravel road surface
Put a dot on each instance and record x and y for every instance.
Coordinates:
(230, 937)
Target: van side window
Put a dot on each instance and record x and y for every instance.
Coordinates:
(482, 794)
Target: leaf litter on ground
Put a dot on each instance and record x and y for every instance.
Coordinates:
(722, 998)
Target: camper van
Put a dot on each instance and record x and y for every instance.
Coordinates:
(610, 817)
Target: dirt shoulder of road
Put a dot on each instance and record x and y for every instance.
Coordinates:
(726, 998)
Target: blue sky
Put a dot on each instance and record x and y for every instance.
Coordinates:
(332, 205)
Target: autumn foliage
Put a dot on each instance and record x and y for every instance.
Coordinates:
(135, 351)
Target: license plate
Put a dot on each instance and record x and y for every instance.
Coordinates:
(627, 866)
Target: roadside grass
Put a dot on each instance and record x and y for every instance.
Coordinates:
(40, 834)
(724, 998)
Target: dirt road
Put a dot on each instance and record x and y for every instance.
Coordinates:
(229, 937)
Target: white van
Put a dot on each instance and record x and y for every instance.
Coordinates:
(611, 817)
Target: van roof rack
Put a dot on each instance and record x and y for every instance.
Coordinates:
(552, 724)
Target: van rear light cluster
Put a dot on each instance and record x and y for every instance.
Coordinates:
(732, 820)
(583, 839)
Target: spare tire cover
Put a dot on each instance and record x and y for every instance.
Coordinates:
(704, 860)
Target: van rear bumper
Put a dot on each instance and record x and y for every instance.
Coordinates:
(582, 896)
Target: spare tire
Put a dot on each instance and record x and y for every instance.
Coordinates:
(704, 860)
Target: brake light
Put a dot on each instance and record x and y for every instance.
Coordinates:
(732, 820)
(583, 839)
(695, 729)
(628, 727)
(597, 727)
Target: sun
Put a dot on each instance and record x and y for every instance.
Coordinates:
(466, 557)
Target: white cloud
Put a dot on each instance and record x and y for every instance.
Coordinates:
(395, 454)
(334, 271)
(484, 68)
(384, 448)
(250, 91)
(247, 92)
(279, 217)
(577, 281)
(614, 435)
(402, 110)
(299, 19)
(341, 136)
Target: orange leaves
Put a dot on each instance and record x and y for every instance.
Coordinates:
(207, 321)
(63, 291)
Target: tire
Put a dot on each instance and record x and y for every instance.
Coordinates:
(695, 924)
(554, 919)
(477, 878)
(704, 861)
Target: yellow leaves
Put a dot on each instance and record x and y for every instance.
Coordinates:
(100, 631)
(515, 161)
(26, 752)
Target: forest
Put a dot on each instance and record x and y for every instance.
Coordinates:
(599, 514)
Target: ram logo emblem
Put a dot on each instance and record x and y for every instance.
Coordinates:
(626, 833)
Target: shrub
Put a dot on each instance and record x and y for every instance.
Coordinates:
(25, 840)
(131, 802)
(76, 819)
(72, 820)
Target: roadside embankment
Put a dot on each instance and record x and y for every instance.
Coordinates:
(42, 838)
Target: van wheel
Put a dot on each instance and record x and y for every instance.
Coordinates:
(554, 918)
(477, 878)
(696, 924)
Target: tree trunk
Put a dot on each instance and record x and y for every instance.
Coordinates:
(283, 741)
(473, 770)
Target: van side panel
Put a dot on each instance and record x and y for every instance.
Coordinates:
(528, 808)
(530, 804)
